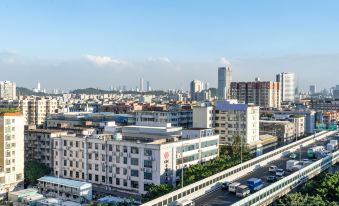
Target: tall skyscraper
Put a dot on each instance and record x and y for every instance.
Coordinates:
(313, 89)
(7, 90)
(141, 86)
(195, 87)
(224, 82)
(148, 86)
(11, 151)
(39, 87)
(336, 93)
(287, 85)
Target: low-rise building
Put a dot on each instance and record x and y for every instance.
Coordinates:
(65, 189)
(283, 130)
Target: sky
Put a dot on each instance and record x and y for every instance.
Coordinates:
(81, 43)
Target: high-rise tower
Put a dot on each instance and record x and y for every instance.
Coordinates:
(224, 82)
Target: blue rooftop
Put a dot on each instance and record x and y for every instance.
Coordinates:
(228, 106)
(63, 181)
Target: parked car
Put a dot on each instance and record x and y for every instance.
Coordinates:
(279, 173)
(272, 168)
(224, 186)
(271, 178)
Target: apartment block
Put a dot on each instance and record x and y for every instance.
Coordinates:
(34, 109)
(283, 130)
(181, 117)
(39, 145)
(11, 151)
(265, 94)
(7, 90)
(233, 118)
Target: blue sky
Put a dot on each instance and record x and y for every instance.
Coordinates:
(131, 38)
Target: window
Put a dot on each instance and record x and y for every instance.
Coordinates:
(124, 171)
(117, 181)
(117, 159)
(110, 159)
(96, 178)
(96, 146)
(134, 173)
(65, 143)
(103, 147)
(125, 183)
(103, 179)
(125, 149)
(65, 162)
(96, 167)
(135, 161)
(134, 150)
(148, 163)
(89, 176)
(147, 176)
(125, 160)
(148, 152)
(117, 148)
(135, 184)
(110, 147)
(117, 170)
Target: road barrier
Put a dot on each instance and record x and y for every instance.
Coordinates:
(212, 183)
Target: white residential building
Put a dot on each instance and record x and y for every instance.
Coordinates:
(131, 161)
(203, 117)
(287, 85)
(7, 90)
(11, 151)
(233, 118)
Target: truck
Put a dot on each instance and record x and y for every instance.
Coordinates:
(232, 187)
(334, 142)
(242, 191)
(311, 152)
(330, 147)
(255, 184)
(290, 164)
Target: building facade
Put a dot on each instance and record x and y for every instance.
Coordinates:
(133, 160)
(233, 118)
(7, 90)
(224, 82)
(287, 83)
(203, 117)
(11, 151)
(264, 94)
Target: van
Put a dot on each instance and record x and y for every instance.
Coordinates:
(242, 191)
(232, 187)
(186, 203)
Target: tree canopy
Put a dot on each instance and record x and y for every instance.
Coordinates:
(34, 170)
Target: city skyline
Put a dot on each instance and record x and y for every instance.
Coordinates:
(124, 41)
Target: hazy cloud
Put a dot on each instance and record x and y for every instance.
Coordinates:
(224, 61)
(104, 60)
(159, 59)
(8, 56)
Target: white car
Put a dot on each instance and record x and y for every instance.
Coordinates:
(272, 168)
(279, 172)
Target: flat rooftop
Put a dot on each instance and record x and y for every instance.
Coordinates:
(63, 181)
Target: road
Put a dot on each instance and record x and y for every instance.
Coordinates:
(222, 198)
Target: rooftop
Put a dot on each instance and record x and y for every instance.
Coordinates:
(63, 181)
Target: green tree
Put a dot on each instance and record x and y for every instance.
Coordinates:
(155, 191)
(34, 170)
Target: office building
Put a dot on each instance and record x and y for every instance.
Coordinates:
(11, 151)
(265, 94)
(224, 82)
(287, 85)
(336, 93)
(141, 86)
(134, 159)
(313, 89)
(7, 90)
(233, 118)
